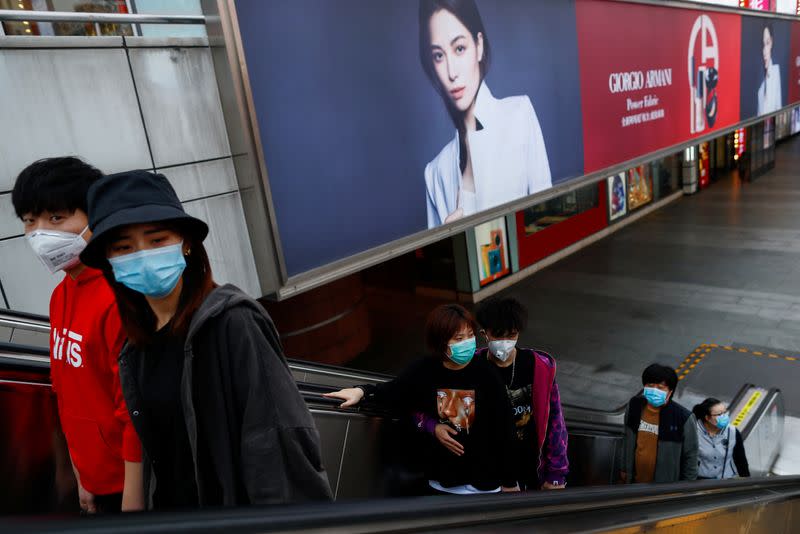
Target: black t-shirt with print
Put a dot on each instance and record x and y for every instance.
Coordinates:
(472, 401)
(518, 379)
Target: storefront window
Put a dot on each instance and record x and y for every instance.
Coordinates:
(761, 147)
(783, 125)
(666, 174)
(491, 244)
(153, 7)
(171, 7)
(640, 187)
(67, 28)
(560, 209)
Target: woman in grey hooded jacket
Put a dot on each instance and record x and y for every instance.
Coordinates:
(206, 384)
(721, 447)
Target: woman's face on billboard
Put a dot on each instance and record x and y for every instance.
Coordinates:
(456, 57)
(766, 49)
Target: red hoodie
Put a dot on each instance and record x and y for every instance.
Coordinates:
(85, 340)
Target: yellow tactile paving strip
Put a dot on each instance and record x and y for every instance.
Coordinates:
(697, 355)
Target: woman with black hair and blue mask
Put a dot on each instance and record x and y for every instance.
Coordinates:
(458, 400)
(721, 447)
(203, 374)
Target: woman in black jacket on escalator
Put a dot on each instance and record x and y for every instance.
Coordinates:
(205, 381)
(457, 399)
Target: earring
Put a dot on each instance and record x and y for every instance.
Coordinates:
(188, 252)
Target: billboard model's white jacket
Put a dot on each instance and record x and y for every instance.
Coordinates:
(769, 92)
(509, 158)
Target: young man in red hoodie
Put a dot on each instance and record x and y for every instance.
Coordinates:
(86, 336)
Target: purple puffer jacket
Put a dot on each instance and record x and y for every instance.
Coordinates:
(551, 431)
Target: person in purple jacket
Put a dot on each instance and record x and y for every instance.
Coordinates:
(530, 379)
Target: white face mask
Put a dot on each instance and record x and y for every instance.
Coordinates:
(502, 348)
(57, 250)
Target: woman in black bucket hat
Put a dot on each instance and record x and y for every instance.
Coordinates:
(203, 372)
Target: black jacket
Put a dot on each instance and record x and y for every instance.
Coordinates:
(486, 462)
(739, 456)
(252, 437)
(676, 457)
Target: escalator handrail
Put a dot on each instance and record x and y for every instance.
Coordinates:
(27, 350)
(24, 320)
(312, 394)
(39, 357)
(34, 317)
(41, 323)
(439, 512)
(357, 375)
(36, 359)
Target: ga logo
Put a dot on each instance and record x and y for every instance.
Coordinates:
(703, 64)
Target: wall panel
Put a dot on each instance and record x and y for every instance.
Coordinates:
(68, 101)
(180, 103)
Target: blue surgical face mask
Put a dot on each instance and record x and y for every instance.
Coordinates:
(461, 353)
(655, 397)
(723, 420)
(153, 273)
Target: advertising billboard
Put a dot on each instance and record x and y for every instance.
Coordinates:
(760, 5)
(765, 65)
(385, 120)
(380, 119)
(671, 75)
(786, 6)
(794, 64)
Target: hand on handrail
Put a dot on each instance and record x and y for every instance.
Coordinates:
(351, 396)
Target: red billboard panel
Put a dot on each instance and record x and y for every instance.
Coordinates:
(794, 65)
(652, 77)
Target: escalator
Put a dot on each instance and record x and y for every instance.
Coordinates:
(767, 505)
(358, 443)
(363, 448)
(363, 452)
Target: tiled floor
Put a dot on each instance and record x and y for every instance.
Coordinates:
(721, 267)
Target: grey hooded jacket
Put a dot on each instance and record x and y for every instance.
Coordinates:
(240, 401)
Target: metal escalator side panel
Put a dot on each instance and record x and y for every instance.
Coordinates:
(24, 328)
(738, 400)
(34, 463)
(746, 410)
(759, 417)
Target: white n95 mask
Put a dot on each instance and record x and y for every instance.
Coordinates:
(57, 250)
(501, 348)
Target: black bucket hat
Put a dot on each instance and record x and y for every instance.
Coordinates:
(132, 197)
